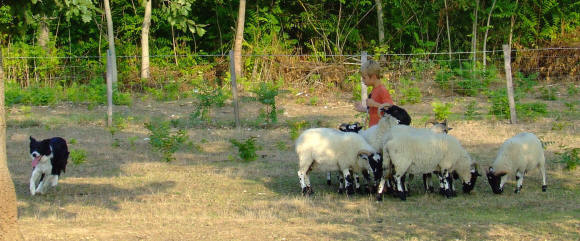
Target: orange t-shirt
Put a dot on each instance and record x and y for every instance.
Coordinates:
(381, 95)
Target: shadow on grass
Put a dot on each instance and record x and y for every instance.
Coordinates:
(105, 196)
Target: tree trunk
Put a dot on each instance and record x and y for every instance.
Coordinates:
(111, 36)
(380, 25)
(474, 35)
(8, 207)
(145, 41)
(448, 31)
(239, 39)
(513, 20)
(43, 33)
(486, 31)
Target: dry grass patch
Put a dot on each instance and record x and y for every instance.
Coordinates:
(126, 193)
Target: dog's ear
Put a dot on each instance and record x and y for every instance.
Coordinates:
(32, 140)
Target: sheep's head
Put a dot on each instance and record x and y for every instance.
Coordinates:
(376, 163)
(348, 127)
(439, 127)
(495, 180)
(468, 186)
(397, 112)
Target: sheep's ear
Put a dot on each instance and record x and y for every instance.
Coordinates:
(32, 140)
(449, 128)
(364, 154)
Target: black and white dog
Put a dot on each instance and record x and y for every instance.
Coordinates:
(49, 159)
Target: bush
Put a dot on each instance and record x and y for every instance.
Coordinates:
(570, 156)
(548, 93)
(246, 149)
(78, 156)
(441, 110)
(470, 110)
(531, 111)
(296, 128)
(162, 139)
(266, 94)
(409, 93)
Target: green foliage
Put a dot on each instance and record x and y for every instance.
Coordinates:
(570, 156)
(266, 94)
(466, 79)
(164, 140)
(470, 110)
(409, 93)
(441, 110)
(548, 93)
(247, 149)
(78, 156)
(525, 83)
(281, 146)
(206, 100)
(296, 128)
(572, 89)
(531, 111)
(499, 104)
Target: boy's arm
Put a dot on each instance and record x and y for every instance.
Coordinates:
(373, 103)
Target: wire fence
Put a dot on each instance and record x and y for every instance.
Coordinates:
(540, 76)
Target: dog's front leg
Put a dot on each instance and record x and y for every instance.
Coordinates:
(33, 180)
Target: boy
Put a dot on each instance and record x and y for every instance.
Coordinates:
(379, 96)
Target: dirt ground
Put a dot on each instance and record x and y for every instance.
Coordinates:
(126, 192)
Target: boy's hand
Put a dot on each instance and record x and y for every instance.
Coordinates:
(359, 107)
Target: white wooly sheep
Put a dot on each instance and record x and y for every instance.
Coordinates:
(517, 156)
(437, 127)
(375, 135)
(327, 149)
(419, 151)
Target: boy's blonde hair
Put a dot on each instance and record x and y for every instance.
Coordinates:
(371, 67)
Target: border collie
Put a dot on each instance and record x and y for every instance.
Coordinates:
(49, 159)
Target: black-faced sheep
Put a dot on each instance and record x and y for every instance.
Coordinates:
(517, 156)
(419, 151)
(326, 149)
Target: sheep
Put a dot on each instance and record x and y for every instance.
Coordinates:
(327, 149)
(517, 156)
(437, 127)
(419, 151)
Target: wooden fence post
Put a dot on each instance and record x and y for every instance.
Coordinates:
(363, 90)
(510, 87)
(110, 78)
(234, 89)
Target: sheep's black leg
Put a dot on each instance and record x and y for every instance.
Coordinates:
(400, 187)
(349, 184)
(520, 181)
(341, 183)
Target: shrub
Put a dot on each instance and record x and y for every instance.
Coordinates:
(246, 149)
(162, 139)
(207, 99)
(525, 83)
(441, 110)
(548, 93)
(572, 89)
(296, 128)
(78, 156)
(470, 110)
(266, 94)
(410, 94)
(570, 156)
(531, 111)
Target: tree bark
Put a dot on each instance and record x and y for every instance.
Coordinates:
(8, 206)
(513, 20)
(474, 35)
(239, 39)
(111, 36)
(448, 31)
(145, 41)
(486, 31)
(43, 33)
(380, 24)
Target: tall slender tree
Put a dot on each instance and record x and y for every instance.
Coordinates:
(474, 32)
(486, 32)
(448, 30)
(239, 39)
(111, 35)
(145, 73)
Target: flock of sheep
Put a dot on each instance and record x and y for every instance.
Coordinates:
(392, 150)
